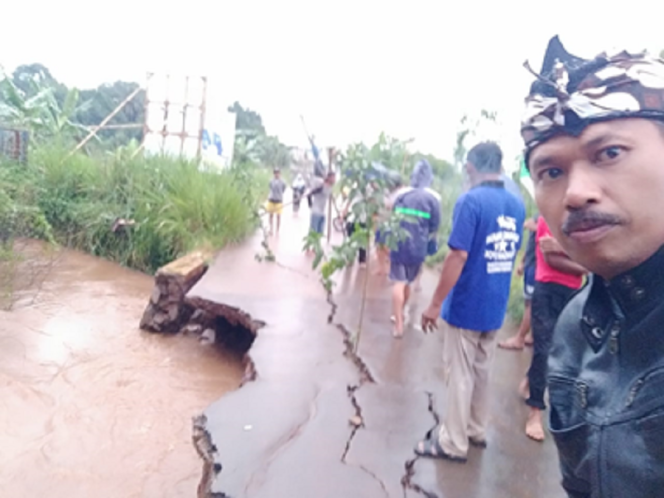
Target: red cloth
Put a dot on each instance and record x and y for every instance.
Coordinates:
(544, 272)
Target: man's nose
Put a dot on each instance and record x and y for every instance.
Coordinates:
(582, 186)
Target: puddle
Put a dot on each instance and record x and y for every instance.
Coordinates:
(90, 406)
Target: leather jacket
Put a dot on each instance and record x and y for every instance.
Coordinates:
(606, 386)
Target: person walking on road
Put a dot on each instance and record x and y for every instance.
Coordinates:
(298, 187)
(321, 190)
(276, 199)
(526, 269)
(556, 278)
(473, 291)
(422, 212)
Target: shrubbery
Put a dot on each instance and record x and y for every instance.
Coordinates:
(175, 206)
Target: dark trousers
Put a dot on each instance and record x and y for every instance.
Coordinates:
(350, 229)
(548, 302)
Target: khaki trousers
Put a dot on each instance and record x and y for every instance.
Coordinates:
(467, 357)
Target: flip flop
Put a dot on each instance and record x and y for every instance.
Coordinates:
(430, 448)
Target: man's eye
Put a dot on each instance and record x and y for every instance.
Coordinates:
(551, 173)
(609, 153)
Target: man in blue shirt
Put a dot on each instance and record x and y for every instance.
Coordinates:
(473, 291)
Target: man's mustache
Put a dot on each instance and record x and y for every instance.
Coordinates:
(587, 220)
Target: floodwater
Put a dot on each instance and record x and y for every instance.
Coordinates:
(89, 405)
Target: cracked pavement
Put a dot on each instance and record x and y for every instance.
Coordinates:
(318, 419)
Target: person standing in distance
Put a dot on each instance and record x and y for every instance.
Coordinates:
(275, 200)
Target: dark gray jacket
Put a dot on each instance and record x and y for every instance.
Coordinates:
(606, 386)
(422, 210)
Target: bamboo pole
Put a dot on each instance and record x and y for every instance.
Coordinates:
(140, 148)
(184, 114)
(124, 126)
(201, 127)
(164, 128)
(103, 123)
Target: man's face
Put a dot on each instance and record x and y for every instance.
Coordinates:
(602, 193)
(277, 174)
(330, 179)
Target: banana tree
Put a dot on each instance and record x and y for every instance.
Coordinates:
(367, 183)
(40, 113)
(18, 110)
(59, 120)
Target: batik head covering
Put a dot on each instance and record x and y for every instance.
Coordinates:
(570, 93)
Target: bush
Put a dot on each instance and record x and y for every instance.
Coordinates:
(175, 206)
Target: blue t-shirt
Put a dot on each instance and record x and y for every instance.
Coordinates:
(487, 223)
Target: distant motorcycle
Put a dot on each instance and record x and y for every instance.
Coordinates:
(298, 192)
(299, 187)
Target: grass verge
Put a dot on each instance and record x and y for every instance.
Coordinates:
(173, 207)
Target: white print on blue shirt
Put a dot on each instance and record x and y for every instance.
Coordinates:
(501, 246)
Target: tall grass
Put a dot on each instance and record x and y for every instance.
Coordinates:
(175, 206)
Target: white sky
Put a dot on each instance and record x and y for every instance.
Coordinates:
(353, 68)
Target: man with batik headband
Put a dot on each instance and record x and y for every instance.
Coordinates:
(594, 138)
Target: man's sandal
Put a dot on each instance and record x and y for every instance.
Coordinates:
(430, 448)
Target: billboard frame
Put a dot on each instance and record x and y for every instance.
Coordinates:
(183, 106)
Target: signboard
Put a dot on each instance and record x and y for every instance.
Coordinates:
(186, 117)
(218, 138)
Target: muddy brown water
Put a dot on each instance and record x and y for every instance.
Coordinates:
(89, 405)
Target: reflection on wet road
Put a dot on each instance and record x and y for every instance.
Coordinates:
(90, 406)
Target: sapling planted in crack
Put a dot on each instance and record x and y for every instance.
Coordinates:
(367, 185)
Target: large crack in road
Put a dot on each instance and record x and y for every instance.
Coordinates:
(207, 450)
(409, 466)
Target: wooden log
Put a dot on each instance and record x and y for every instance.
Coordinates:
(166, 310)
(188, 269)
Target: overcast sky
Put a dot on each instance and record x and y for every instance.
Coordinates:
(353, 68)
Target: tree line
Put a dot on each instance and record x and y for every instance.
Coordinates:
(32, 98)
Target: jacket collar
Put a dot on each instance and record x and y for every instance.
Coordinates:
(613, 304)
(491, 183)
(641, 287)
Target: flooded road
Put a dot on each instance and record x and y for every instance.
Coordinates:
(90, 406)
